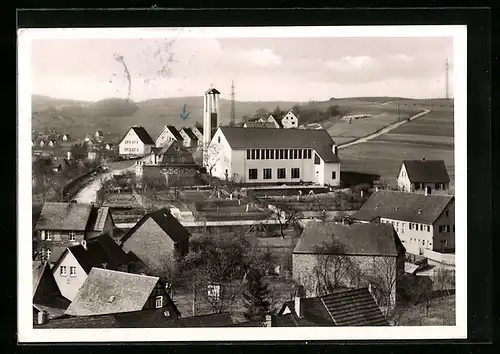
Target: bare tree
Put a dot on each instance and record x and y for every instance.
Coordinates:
(286, 215)
(383, 277)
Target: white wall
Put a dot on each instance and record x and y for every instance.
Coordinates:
(69, 285)
(412, 239)
(403, 180)
(327, 172)
(132, 141)
(164, 137)
(290, 121)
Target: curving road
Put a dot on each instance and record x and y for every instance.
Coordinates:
(89, 192)
(383, 131)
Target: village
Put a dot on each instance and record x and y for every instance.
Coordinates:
(236, 225)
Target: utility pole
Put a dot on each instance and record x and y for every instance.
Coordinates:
(397, 104)
(233, 112)
(447, 69)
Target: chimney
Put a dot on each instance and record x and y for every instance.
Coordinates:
(298, 310)
(269, 320)
(68, 155)
(43, 317)
(104, 264)
(334, 149)
(426, 189)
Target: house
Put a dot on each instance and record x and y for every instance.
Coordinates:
(157, 318)
(62, 225)
(190, 140)
(274, 156)
(136, 142)
(41, 143)
(47, 298)
(108, 291)
(330, 255)
(167, 134)
(290, 120)
(72, 268)
(259, 125)
(66, 137)
(109, 146)
(157, 238)
(276, 122)
(52, 143)
(99, 135)
(424, 176)
(198, 131)
(172, 163)
(422, 222)
(348, 308)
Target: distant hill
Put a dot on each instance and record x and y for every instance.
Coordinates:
(115, 115)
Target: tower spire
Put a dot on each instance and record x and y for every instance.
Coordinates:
(233, 112)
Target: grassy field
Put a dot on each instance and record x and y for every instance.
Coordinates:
(430, 136)
(442, 312)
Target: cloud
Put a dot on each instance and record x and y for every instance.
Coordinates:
(262, 57)
(351, 63)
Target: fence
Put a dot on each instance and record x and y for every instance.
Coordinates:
(75, 185)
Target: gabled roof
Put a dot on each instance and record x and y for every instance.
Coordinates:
(200, 129)
(212, 91)
(38, 269)
(430, 171)
(268, 125)
(99, 250)
(142, 134)
(354, 239)
(174, 132)
(190, 133)
(410, 207)
(107, 291)
(346, 308)
(355, 307)
(257, 138)
(98, 218)
(169, 224)
(64, 216)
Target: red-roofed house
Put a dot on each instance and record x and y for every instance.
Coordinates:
(157, 238)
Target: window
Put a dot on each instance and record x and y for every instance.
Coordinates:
(252, 173)
(263, 154)
(218, 139)
(268, 154)
(295, 154)
(397, 224)
(300, 154)
(214, 291)
(286, 154)
(72, 236)
(253, 154)
(334, 174)
(276, 154)
(423, 242)
(72, 271)
(316, 159)
(309, 153)
(272, 154)
(49, 235)
(447, 213)
(421, 227)
(417, 186)
(248, 154)
(295, 172)
(411, 226)
(42, 235)
(258, 155)
(281, 173)
(448, 228)
(267, 173)
(428, 228)
(63, 271)
(159, 302)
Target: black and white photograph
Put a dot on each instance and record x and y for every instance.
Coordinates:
(265, 178)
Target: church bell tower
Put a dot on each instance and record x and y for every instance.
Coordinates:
(211, 119)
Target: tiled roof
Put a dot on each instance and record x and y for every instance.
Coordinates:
(314, 313)
(140, 319)
(257, 138)
(36, 210)
(172, 227)
(430, 171)
(190, 133)
(107, 291)
(99, 250)
(174, 132)
(64, 216)
(38, 268)
(55, 306)
(355, 239)
(268, 125)
(410, 207)
(200, 129)
(354, 308)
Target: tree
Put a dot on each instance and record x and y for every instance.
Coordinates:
(333, 111)
(277, 113)
(255, 296)
(261, 113)
(296, 109)
(286, 215)
(78, 152)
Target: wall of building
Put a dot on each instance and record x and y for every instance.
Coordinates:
(220, 156)
(415, 241)
(290, 121)
(363, 270)
(59, 239)
(403, 180)
(150, 244)
(69, 285)
(132, 145)
(164, 137)
(328, 168)
(445, 219)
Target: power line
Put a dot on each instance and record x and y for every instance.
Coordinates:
(233, 112)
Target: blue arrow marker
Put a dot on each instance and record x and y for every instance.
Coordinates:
(184, 114)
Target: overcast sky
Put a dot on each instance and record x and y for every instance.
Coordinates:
(263, 69)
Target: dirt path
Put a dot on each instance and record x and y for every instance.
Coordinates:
(383, 131)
